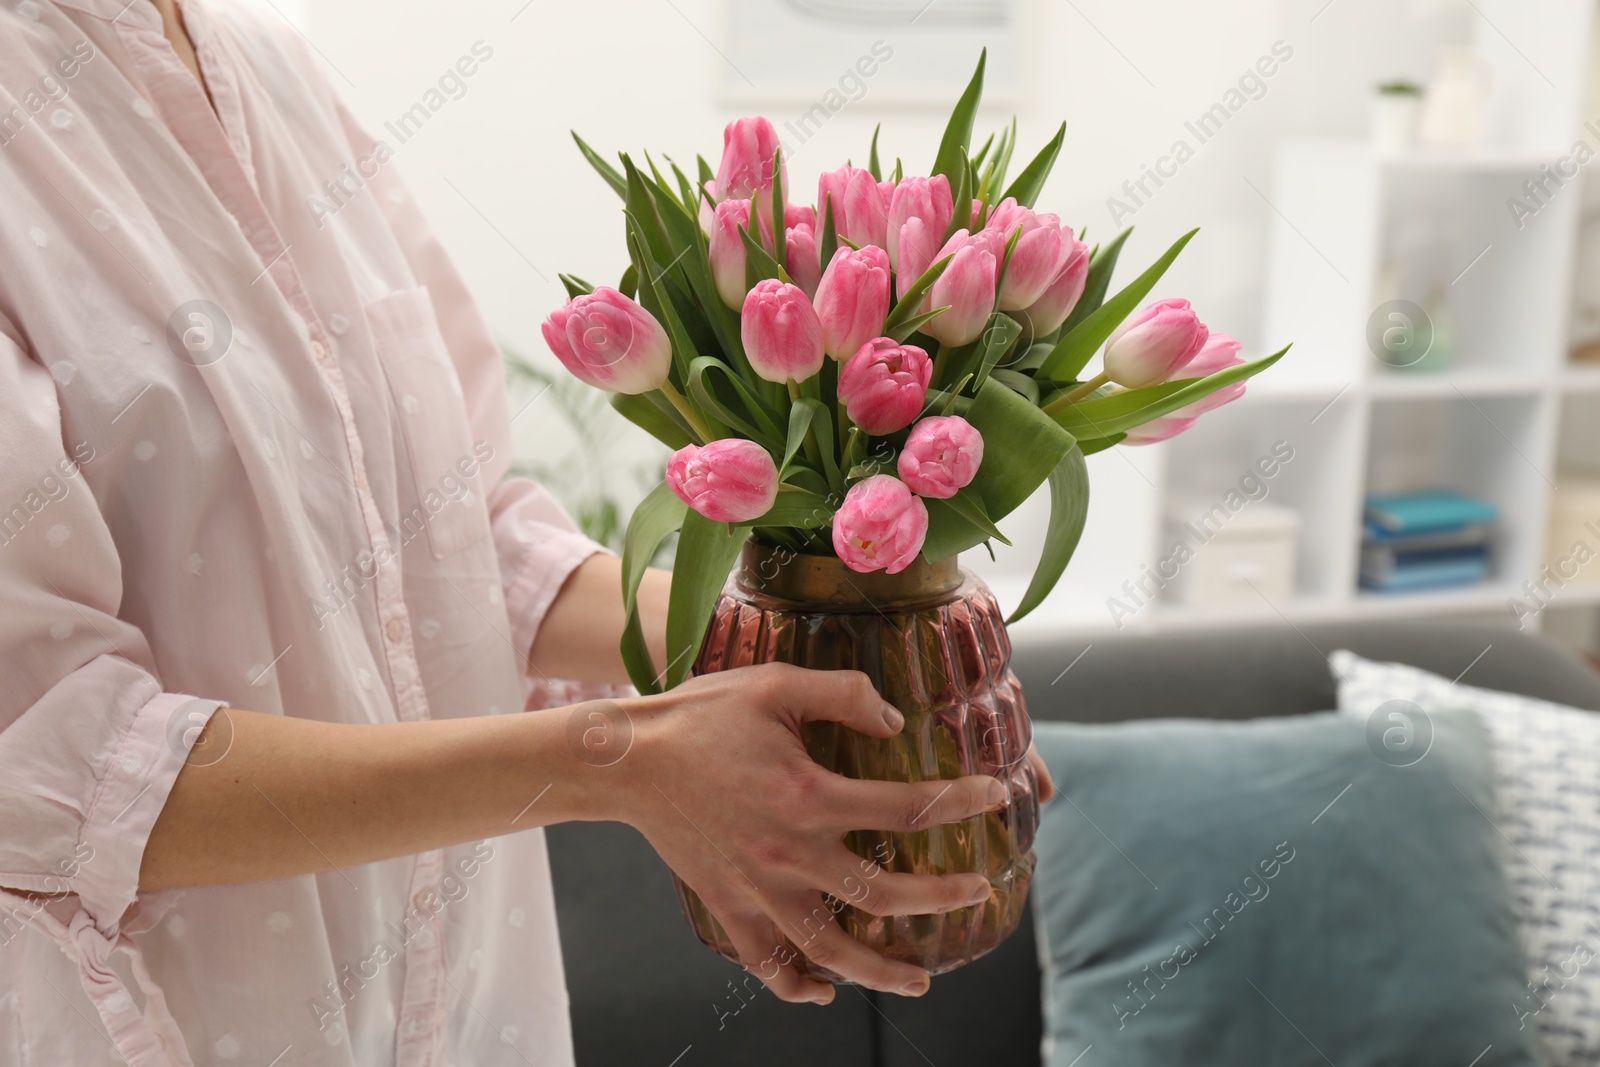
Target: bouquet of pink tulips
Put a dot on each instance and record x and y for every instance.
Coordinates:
(882, 376)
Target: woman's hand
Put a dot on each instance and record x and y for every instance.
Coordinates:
(719, 782)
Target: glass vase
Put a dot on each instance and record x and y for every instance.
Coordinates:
(933, 641)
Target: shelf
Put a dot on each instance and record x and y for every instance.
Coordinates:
(1581, 377)
(1422, 384)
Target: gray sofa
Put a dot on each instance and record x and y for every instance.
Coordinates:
(644, 991)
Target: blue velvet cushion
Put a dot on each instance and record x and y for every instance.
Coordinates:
(1276, 892)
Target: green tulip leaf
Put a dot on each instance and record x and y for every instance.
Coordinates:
(656, 518)
(613, 178)
(758, 263)
(1025, 386)
(666, 426)
(1127, 408)
(1089, 448)
(1021, 446)
(970, 507)
(796, 509)
(706, 554)
(998, 337)
(952, 157)
(575, 286)
(1031, 181)
(740, 409)
(1069, 508)
(801, 415)
(873, 167)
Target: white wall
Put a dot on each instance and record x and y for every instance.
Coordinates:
(516, 204)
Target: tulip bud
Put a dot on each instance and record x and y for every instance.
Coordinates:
(880, 526)
(966, 287)
(853, 299)
(800, 257)
(860, 214)
(941, 455)
(1158, 430)
(800, 215)
(1220, 353)
(748, 146)
(727, 252)
(924, 198)
(1041, 252)
(1153, 343)
(731, 480)
(1046, 314)
(918, 242)
(608, 341)
(884, 385)
(781, 332)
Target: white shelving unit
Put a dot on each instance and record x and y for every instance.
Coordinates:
(1499, 419)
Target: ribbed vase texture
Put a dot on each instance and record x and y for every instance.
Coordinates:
(936, 647)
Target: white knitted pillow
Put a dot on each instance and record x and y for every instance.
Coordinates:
(1547, 781)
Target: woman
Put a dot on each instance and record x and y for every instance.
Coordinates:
(269, 604)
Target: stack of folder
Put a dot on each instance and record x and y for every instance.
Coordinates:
(1425, 541)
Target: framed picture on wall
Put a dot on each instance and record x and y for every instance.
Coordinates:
(828, 53)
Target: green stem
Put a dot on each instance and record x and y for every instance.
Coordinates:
(690, 415)
(941, 360)
(1076, 394)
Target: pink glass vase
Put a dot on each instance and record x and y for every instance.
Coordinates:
(933, 641)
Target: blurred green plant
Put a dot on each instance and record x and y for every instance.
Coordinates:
(583, 478)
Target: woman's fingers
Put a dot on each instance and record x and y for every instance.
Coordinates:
(814, 929)
(1041, 771)
(883, 892)
(863, 804)
(845, 697)
(765, 955)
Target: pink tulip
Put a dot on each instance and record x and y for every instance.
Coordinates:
(727, 252)
(884, 384)
(748, 146)
(966, 287)
(1046, 314)
(1158, 430)
(1153, 343)
(927, 199)
(918, 242)
(1220, 353)
(880, 525)
(781, 332)
(800, 257)
(800, 215)
(860, 213)
(853, 299)
(608, 341)
(1041, 252)
(941, 455)
(731, 480)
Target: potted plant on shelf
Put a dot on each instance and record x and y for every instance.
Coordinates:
(856, 392)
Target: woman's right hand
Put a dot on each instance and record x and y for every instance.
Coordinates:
(718, 780)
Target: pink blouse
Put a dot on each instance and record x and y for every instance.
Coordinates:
(250, 453)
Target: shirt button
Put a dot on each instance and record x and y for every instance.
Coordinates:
(396, 629)
(319, 349)
(422, 896)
